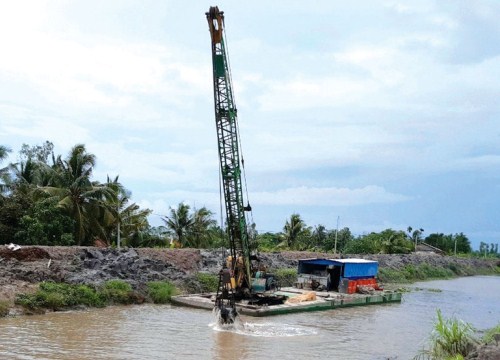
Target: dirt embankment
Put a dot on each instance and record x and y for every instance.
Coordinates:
(21, 270)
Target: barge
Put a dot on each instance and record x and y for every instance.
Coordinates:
(323, 300)
(322, 284)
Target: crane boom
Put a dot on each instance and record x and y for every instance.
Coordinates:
(235, 278)
(229, 156)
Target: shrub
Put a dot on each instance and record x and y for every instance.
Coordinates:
(208, 282)
(450, 339)
(89, 296)
(4, 308)
(391, 276)
(28, 301)
(117, 291)
(285, 276)
(52, 300)
(59, 295)
(161, 291)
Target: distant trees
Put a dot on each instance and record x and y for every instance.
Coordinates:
(294, 232)
(486, 249)
(4, 175)
(192, 228)
(52, 200)
(388, 241)
(447, 242)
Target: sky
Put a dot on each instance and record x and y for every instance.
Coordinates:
(369, 114)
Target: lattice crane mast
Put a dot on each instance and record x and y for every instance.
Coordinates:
(235, 279)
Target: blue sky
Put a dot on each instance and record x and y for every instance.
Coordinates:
(382, 113)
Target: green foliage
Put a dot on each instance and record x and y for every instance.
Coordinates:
(88, 296)
(296, 235)
(208, 282)
(488, 250)
(195, 229)
(117, 292)
(447, 242)
(28, 301)
(388, 275)
(60, 295)
(267, 241)
(366, 244)
(285, 276)
(161, 291)
(450, 339)
(388, 241)
(489, 334)
(12, 209)
(4, 308)
(411, 273)
(45, 224)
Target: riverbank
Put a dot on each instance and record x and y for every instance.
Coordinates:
(190, 270)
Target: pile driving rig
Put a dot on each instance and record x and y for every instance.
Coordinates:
(240, 278)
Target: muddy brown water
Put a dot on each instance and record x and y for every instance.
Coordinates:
(395, 331)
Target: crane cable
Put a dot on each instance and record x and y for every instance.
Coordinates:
(237, 125)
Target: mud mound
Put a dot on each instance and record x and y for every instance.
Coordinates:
(24, 254)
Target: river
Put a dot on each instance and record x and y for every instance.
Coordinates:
(168, 332)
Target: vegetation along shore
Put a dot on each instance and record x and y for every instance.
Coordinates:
(39, 278)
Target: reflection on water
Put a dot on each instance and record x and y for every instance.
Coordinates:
(166, 332)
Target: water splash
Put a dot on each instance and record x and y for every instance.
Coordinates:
(267, 329)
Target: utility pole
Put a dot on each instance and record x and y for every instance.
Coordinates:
(118, 237)
(455, 246)
(336, 235)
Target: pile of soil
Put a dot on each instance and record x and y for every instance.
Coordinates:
(24, 254)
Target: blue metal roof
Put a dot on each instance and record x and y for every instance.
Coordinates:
(353, 268)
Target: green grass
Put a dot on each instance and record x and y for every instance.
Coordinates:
(117, 292)
(57, 296)
(450, 339)
(488, 335)
(4, 308)
(286, 277)
(411, 273)
(208, 282)
(161, 292)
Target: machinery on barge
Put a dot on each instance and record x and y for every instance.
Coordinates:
(240, 279)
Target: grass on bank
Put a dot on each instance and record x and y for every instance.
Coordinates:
(285, 277)
(451, 339)
(58, 296)
(4, 308)
(208, 282)
(161, 292)
(489, 335)
(411, 273)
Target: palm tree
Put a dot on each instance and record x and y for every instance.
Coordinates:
(319, 235)
(415, 235)
(292, 229)
(180, 223)
(86, 201)
(201, 234)
(4, 172)
(128, 220)
(393, 242)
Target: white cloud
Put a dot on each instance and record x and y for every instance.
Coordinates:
(328, 196)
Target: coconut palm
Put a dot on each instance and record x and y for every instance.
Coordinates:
(128, 218)
(180, 222)
(4, 172)
(86, 201)
(200, 233)
(292, 230)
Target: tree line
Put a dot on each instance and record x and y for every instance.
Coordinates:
(48, 199)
